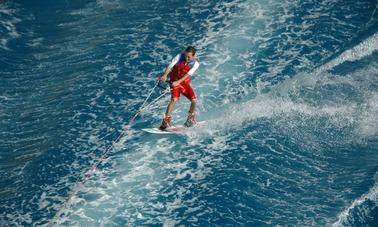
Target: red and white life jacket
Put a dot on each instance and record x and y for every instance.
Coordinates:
(181, 68)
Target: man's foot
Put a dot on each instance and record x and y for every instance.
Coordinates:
(166, 122)
(191, 120)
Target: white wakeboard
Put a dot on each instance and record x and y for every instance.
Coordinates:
(173, 129)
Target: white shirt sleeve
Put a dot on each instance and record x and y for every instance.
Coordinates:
(174, 61)
(195, 67)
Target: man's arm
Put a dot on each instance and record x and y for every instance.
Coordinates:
(176, 83)
(167, 70)
(169, 67)
(190, 73)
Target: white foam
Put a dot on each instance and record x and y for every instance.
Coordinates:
(340, 113)
(371, 195)
(9, 24)
(363, 49)
(369, 118)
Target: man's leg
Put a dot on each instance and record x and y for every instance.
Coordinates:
(167, 116)
(170, 107)
(192, 108)
(191, 95)
(191, 120)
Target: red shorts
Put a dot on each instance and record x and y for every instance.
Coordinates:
(185, 89)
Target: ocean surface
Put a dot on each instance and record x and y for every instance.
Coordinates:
(289, 90)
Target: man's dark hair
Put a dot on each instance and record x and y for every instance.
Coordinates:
(191, 49)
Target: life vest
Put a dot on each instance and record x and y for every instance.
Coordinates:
(181, 68)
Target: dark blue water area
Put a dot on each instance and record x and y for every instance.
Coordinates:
(288, 90)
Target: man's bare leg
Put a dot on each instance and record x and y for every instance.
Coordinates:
(167, 116)
(191, 116)
(170, 107)
(192, 108)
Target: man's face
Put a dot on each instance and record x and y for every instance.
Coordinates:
(188, 56)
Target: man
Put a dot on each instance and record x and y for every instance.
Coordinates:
(180, 70)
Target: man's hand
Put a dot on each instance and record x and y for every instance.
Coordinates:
(175, 83)
(163, 78)
(166, 72)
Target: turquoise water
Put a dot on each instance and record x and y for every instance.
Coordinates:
(289, 90)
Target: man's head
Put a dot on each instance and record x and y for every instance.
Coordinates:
(190, 52)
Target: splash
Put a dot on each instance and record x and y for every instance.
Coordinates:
(345, 216)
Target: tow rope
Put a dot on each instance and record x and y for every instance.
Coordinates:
(88, 174)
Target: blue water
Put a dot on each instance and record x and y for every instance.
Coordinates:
(289, 90)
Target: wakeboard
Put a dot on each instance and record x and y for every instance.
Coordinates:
(173, 129)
